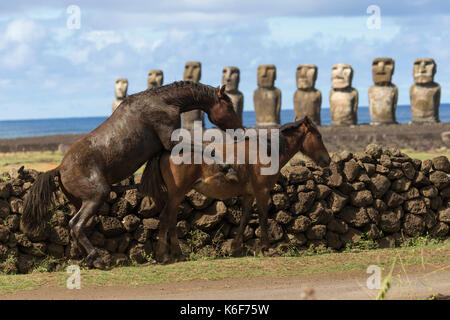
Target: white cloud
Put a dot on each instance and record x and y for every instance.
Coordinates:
(4, 83)
(49, 84)
(124, 40)
(19, 42)
(78, 56)
(156, 44)
(102, 38)
(118, 59)
(17, 57)
(23, 31)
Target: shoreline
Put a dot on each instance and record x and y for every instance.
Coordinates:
(420, 137)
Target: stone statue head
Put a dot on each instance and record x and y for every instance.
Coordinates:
(341, 76)
(192, 71)
(382, 70)
(266, 76)
(230, 78)
(155, 79)
(424, 70)
(306, 76)
(121, 88)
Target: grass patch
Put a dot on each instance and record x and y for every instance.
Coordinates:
(26, 158)
(432, 253)
(37, 160)
(426, 155)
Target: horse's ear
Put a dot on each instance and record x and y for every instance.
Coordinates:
(221, 91)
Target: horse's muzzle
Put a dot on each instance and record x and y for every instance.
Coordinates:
(324, 161)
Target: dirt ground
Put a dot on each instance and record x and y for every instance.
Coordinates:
(418, 282)
(421, 137)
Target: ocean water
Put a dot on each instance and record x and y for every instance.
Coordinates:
(44, 127)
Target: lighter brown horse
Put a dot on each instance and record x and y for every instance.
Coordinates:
(138, 130)
(208, 179)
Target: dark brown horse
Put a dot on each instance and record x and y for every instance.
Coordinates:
(209, 180)
(139, 129)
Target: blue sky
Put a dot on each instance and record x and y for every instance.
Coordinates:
(50, 71)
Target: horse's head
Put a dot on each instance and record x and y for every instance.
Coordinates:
(312, 143)
(222, 113)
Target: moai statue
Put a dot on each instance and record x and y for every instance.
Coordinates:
(192, 72)
(267, 98)
(120, 91)
(383, 95)
(307, 99)
(425, 94)
(155, 79)
(343, 98)
(230, 78)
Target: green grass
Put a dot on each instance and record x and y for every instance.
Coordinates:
(136, 275)
(38, 160)
(26, 158)
(426, 155)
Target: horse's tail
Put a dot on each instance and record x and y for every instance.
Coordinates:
(37, 202)
(153, 184)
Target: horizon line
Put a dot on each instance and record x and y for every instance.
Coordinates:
(102, 116)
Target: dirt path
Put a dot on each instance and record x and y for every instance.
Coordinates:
(415, 283)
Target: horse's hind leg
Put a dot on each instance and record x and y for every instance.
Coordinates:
(89, 189)
(77, 203)
(78, 224)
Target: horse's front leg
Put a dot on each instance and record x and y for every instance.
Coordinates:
(175, 249)
(262, 202)
(238, 242)
(162, 249)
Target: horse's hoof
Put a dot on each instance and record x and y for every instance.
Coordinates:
(94, 260)
(236, 249)
(179, 258)
(177, 254)
(99, 264)
(271, 252)
(163, 259)
(268, 252)
(236, 252)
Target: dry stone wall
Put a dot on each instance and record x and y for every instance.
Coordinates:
(382, 195)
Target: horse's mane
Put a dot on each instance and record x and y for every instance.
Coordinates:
(182, 93)
(294, 125)
(291, 125)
